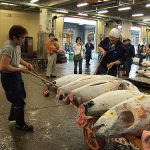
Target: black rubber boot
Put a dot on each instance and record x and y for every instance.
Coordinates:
(25, 127)
(11, 114)
(20, 123)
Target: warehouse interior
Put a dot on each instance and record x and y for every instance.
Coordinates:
(57, 104)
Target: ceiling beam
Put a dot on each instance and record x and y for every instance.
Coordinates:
(58, 2)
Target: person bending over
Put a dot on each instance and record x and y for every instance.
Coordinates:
(112, 53)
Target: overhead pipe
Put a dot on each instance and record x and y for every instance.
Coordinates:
(103, 16)
(21, 3)
(109, 7)
(108, 17)
(53, 24)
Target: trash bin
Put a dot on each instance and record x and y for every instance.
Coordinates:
(71, 56)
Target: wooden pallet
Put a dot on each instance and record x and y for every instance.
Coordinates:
(94, 143)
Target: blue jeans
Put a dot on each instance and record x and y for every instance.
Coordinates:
(76, 65)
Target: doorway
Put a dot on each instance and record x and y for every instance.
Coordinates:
(74, 27)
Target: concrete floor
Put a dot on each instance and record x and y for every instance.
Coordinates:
(54, 122)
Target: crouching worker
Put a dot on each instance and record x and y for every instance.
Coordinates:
(10, 58)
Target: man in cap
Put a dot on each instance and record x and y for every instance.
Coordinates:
(112, 53)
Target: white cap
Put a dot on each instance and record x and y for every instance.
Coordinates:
(115, 33)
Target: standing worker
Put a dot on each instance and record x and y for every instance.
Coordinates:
(88, 53)
(148, 53)
(141, 54)
(11, 78)
(52, 57)
(129, 54)
(112, 53)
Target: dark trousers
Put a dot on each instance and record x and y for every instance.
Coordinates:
(104, 70)
(88, 57)
(127, 65)
(15, 93)
(76, 65)
(140, 59)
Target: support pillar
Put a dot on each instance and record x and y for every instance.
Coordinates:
(126, 30)
(100, 31)
(45, 20)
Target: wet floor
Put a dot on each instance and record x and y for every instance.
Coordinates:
(54, 122)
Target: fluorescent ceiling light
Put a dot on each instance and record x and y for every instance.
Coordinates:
(119, 26)
(62, 11)
(146, 19)
(147, 5)
(124, 8)
(7, 4)
(31, 4)
(34, 1)
(102, 11)
(137, 15)
(136, 28)
(79, 21)
(82, 14)
(82, 4)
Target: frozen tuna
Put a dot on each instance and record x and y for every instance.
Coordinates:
(66, 79)
(136, 60)
(102, 103)
(146, 63)
(130, 117)
(83, 80)
(147, 74)
(126, 85)
(63, 81)
(144, 72)
(94, 89)
(140, 72)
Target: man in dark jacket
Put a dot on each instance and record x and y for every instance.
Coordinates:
(129, 54)
(112, 53)
(88, 53)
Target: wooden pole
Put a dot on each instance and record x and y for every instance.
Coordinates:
(44, 80)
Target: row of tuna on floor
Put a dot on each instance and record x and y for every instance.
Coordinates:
(146, 71)
(120, 107)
